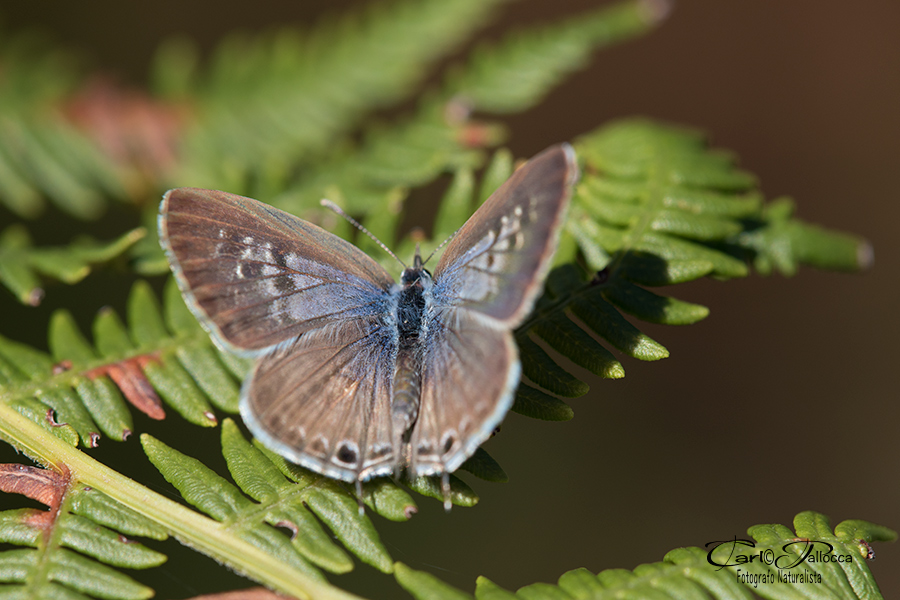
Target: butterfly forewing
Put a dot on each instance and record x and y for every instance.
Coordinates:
(497, 262)
(257, 276)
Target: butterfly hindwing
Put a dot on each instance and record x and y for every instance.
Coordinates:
(256, 276)
(323, 401)
(470, 371)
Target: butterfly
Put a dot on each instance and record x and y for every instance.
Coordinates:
(358, 376)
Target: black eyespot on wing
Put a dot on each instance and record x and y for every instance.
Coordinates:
(449, 440)
(347, 454)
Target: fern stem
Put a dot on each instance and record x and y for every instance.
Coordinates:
(190, 528)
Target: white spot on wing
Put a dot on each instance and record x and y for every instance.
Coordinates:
(519, 240)
(293, 261)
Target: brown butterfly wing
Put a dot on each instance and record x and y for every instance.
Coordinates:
(497, 262)
(470, 372)
(256, 276)
(323, 401)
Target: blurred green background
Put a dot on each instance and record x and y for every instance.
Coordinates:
(784, 399)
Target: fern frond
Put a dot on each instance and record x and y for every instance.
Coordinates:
(73, 547)
(779, 242)
(656, 207)
(162, 356)
(294, 505)
(369, 67)
(42, 155)
(517, 73)
(653, 189)
(247, 556)
(373, 179)
(779, 564)
(268, 107)
(21, 264)
(262, 106)
(267, 103)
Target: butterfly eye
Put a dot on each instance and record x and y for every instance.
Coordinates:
(347, 453)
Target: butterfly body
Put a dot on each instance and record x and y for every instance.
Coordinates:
(357, 375)
(414, 306)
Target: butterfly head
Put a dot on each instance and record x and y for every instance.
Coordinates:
(416, 275)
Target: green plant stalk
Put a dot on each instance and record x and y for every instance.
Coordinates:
(190, 528)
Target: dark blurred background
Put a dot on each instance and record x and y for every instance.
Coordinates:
(784, 399)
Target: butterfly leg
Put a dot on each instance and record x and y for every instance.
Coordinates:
(445, 488)
(359, 497)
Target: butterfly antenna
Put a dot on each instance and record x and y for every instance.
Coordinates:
(335, 208)
(444, 243)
